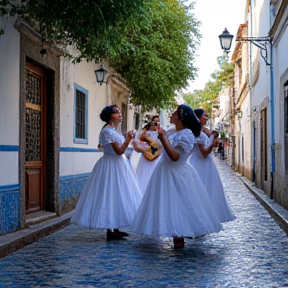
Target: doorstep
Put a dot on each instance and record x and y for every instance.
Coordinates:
(39, 217)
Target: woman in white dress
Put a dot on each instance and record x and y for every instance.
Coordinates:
(202, 161)
(175, 202)
(111, 195)
(149, 147)
(135, 156)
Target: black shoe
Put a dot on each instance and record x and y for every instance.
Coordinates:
(178, 242)
(121, 232)
(113, 236)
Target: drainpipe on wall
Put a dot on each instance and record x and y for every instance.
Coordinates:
(272, 167)
(249, 84)
(254, 151)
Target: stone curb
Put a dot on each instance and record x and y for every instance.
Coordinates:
(14, 241)
(277, 212)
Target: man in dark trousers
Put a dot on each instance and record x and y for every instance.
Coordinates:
(221, 150)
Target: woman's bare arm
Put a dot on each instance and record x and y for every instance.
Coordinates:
(170, 150)
(120, 148)
(206, 150)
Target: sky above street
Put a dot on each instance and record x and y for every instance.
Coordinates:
(215, 16)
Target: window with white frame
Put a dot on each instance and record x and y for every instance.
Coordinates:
(81, 115)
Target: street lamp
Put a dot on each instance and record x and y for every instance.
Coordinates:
(260, 42)
(226, 40)
(100, 74)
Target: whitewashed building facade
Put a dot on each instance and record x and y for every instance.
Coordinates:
(49, 125)
(261, 84)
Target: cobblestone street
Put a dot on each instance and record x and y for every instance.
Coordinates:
(251, 251)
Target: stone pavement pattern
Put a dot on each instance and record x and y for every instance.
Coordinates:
(251, 251)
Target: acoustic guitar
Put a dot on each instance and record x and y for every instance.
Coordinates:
(152, 151)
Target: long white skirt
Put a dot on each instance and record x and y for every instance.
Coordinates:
(110, 197)
(144, 171)
(210, 177)
(175, 203)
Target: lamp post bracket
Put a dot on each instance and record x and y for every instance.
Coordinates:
(260, 42)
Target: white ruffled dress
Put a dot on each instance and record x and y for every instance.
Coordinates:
(145, 168)
(111, 195)
(135, 156)
(175, 202)
(210, 177)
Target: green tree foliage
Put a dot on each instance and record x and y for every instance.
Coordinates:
(96, 29)
(207, 98)
(11, 6)
(161, 59)
(194, 99)
(150, 43)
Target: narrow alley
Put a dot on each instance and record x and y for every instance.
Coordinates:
(251, 251)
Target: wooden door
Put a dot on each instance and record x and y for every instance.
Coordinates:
(263, 123)
(124, 118)
(286, 130)
(35, 133)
